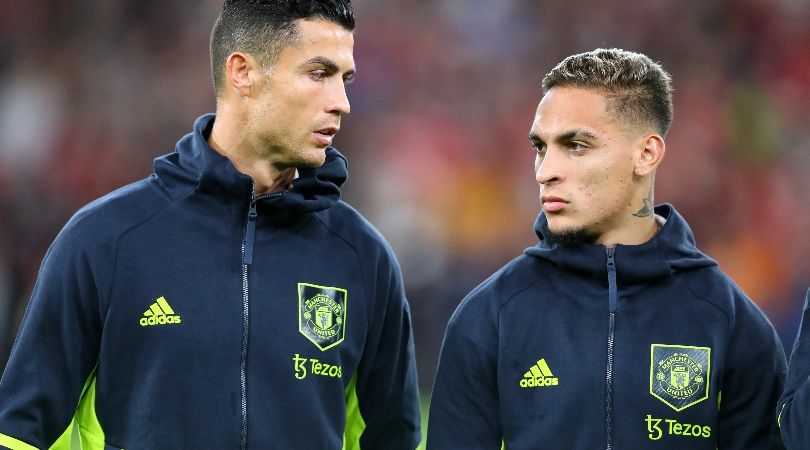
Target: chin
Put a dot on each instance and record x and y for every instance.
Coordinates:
(560, 224)
(571, 234)
(312, 159)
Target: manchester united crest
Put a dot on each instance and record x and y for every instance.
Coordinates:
(322, 314)
(679, 375)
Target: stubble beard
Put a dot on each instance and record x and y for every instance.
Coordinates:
(573, 236)
(310, 159)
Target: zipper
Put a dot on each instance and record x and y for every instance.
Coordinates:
(250, 232)
(247, 259)
(248, 238)
(613, 301)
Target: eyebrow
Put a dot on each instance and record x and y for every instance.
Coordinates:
(329, 65)
(566, 137)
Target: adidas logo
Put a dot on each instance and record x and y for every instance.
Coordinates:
(160, 313)
(539, 376)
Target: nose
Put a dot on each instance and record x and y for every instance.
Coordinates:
(548, 168)
(339, 103)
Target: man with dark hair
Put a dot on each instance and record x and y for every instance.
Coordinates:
(231, 300)
(614, 331)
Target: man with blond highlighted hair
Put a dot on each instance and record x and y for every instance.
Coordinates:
(614, 331)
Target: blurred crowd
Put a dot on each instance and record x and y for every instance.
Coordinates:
(92, 90)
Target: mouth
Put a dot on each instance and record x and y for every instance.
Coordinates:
(325, 135)
(552, 204)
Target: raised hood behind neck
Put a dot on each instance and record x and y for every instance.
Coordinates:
(194, 165)
(671, 250)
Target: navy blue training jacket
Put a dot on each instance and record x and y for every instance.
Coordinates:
(794, 407)
(585, 347)
(181, 312)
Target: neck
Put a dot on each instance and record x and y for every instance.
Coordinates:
(639, 226)
(638, 231)
(229, 141)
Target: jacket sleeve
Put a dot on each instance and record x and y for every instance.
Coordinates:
(55, 350)
(386, 388)
(794, 407)
(755, 370)
(465, 403)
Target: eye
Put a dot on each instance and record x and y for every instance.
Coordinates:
(576, 146)
(318, 75)
(539, 148)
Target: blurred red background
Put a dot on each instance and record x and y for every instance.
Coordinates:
(92, 90)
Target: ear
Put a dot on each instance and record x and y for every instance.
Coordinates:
(651, 155)
(239, 71)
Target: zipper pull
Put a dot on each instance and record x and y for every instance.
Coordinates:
(613, 297)
(250, 232)
(611, 258)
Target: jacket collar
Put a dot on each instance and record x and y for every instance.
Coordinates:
(671, 250)
(194, 165)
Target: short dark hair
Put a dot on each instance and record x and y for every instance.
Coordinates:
(638, 89)
(262, 28)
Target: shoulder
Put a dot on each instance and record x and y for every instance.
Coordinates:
(486, 300)
(348, 225)
(712, 285)
(110, 216)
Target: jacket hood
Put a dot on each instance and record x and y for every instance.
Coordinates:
(194, 165)
(671, 250)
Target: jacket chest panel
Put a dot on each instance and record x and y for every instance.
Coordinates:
(667, 360)
(307, 321)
